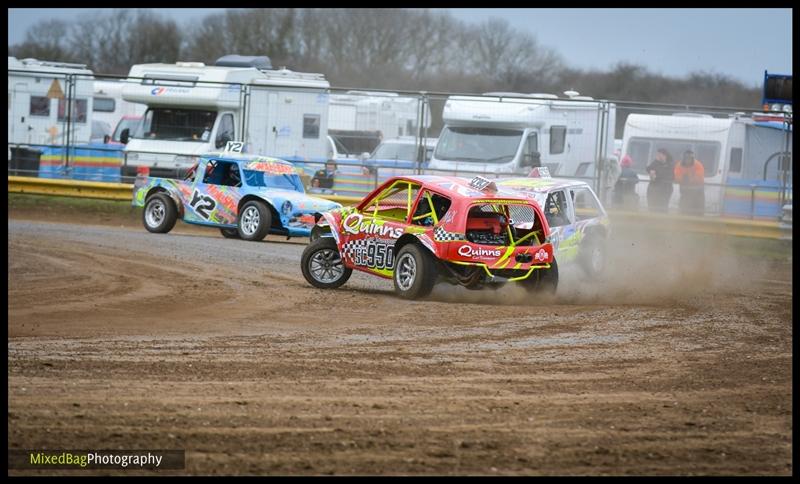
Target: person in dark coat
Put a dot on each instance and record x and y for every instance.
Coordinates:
(659, 190)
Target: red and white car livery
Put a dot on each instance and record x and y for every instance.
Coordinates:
(418, 230)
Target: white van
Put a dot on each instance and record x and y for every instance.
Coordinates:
(193, 108)
(509, 133)
(402, 149)
(737, 150)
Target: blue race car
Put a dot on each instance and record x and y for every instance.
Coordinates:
(246, 196)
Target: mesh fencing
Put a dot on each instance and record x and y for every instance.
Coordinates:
(65, 122)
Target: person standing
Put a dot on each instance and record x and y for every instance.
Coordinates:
(325, 178)
(690, 175)
(659, 190)
(625, 187)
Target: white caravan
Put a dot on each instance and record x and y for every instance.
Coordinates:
(109, 107)
(734, 150)
(506, 133)
(360, 120)
(193, 108)
(36, 119)
(388, 112)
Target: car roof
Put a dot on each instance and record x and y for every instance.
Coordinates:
(244, 157)
(541, 185)
(255, 162)
(459, 187)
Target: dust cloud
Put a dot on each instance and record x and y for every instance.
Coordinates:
(642, 267)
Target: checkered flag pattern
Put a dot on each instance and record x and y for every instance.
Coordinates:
(441, 235)
(349, 248)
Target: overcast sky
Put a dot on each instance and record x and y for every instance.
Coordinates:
(741, 43)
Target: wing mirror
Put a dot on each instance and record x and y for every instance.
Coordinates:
(531, 159)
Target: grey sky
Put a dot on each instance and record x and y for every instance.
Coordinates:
(741, 43)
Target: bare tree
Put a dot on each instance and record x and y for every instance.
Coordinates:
(46, 41)
(396, 49)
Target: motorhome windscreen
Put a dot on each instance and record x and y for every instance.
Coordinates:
(481, 145)
(171, 124)
(256, 178)
(130, 124)
(643, 151)
(395, 151)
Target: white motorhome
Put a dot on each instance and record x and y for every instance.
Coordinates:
(109, 107)
(738, 150)
(193, 108)
(505, 133)
(34, 118)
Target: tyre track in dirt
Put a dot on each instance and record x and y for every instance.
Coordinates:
(262, 374)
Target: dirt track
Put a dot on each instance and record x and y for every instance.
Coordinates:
(679, 364)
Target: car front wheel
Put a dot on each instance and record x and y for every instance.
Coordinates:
(322, 266)
(160, 214)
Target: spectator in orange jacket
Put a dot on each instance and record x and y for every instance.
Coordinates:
(690, 175)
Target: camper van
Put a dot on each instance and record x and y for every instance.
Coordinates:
(738, 152)
(108, 105)
(37, 102)
(193, 108)
(359, 120)
(510, 133)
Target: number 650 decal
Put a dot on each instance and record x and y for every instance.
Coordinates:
(202, 204)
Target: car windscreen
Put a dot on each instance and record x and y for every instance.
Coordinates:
(262, 179)
(395, 151)
(480, 145)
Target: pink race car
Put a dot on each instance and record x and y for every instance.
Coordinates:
(418, 230)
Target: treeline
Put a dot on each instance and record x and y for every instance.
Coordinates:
(396, 49)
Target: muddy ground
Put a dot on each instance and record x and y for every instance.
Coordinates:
(680, 362)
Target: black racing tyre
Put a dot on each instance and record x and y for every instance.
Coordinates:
(543, 280)
(593, 256)
(316, 233)
(229, 233)
(159, 214)
(254, 220)
(548, 278)
(322, 265)
(414, 272)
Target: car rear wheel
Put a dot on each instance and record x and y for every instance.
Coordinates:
(414, 272)
(322, 266)
(160, 214)
(254, 220)
(230, 233)
(544, 280)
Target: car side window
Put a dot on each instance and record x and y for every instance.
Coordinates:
(224, 173)
(431, 209)
(556, 210)
(394, 202)
(585, 203)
